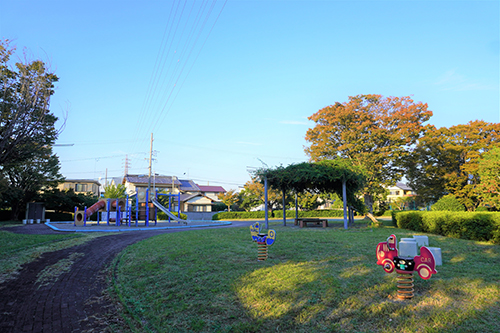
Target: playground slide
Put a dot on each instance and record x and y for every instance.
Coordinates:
(166, 211)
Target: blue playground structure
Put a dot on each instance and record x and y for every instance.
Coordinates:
(120, 211)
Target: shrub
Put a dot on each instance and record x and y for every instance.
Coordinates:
(239, 215)
(311, 213)
(448, 203)
(53, 216)
(410, 220)
(465, 225)
(162, 216)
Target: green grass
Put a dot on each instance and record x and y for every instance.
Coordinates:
(315, 280)
(10, 223)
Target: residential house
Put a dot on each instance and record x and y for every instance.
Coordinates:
(81, 186)
(398, 191)
(137, 183)
(193, 198)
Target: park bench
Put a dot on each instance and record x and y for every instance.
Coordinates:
(304, 221)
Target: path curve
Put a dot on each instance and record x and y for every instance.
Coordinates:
(71, 301)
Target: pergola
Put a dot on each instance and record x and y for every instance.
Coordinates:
(328, 176)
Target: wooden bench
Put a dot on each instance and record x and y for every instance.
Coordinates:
(304, 221)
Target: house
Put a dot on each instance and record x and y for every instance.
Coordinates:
(81, 186)
(212, 191)
(398, 191)
(135, 183)
(193, 197)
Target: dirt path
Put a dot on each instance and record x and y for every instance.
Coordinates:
(62, 291)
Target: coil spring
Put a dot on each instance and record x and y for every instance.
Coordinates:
(405, 285)
(262, 251)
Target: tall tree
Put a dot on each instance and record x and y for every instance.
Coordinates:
(372, 131)
(229, 198)
(252, 196)
(25, 120)
(489, 174)
(26, 179)
(446, 161)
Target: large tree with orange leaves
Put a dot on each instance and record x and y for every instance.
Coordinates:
(373, 131)
(446, 161)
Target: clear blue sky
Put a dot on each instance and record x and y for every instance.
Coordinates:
(235, 85)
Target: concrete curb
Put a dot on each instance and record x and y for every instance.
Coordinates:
(131, 228)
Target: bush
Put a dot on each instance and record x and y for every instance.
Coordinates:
(448, 203)
(53, 216)
(239, 215)
(311, 213)
(162, 216)
(465, 225)
(277, 214)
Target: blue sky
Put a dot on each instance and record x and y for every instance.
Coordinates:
(234, 86)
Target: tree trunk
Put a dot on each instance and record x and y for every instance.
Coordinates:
(369, 202)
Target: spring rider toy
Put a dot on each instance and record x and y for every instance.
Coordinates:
(424, 265)
(263, 240)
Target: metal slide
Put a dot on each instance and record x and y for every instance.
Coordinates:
(166, 211)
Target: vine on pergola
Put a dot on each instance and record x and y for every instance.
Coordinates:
(327, 176)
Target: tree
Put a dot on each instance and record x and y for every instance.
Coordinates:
(26, 179)
(66, 200)
(229, 198)
(448, 203)
(308, 201)
(115, 192)
(446, 161)
(252, 196)
(26, 123)
(489, 173)
(372, 131)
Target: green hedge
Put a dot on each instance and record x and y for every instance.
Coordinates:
(277, 214)
(53, 216)
(239, 215)
(466, 225)
(162, 216)
(312, 213)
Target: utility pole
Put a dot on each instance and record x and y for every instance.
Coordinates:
(150, 159)
(127, 164)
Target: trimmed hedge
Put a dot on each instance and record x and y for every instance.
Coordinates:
(277, 214)
(239, 215)
(466, 225)
(162, 216)
(311, 213)
(53, 216)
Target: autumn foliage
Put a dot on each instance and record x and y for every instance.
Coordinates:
(373, 131)
(450, 161)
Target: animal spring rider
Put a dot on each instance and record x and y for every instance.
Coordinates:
(263, 240)
(424, 265)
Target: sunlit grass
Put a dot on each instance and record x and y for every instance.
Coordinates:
(315, 280)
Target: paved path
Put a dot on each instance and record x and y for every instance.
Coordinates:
(74, 302)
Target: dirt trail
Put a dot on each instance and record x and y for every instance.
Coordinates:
(62, 291)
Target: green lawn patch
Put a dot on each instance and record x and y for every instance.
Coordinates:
(315, 280)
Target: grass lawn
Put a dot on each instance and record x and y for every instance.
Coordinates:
(315, 280)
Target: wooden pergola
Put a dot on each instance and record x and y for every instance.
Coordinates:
(328, 176)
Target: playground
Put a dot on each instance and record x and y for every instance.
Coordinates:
(138, 211)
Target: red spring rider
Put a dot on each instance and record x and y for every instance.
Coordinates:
(424, 265)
